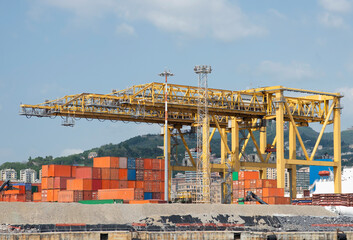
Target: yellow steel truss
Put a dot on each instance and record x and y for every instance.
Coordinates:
(229, 112)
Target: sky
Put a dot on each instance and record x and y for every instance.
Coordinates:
(53, 48)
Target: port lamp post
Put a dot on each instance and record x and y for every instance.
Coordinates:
(166, 74)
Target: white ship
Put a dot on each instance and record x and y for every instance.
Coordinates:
(326, 185)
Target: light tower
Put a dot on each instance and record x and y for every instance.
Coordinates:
(166, 74)
(203, 174)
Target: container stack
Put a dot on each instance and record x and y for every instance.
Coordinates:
(109, 178)
(266, 189)
(344, 199)
(23, 192)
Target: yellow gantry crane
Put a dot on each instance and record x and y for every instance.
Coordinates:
(229, 112)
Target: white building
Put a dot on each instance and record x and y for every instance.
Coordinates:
(8, 174)
(28, 175)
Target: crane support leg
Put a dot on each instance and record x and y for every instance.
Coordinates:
(293, 155)
(337, 146)
(280, 164)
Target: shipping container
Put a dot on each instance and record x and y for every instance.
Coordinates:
(235, 176)
(122, 174)
(79, 184)
(131, 163)
(106, 162)
(70, 196)
(266, 183)
(148, 175)
(156, 195)
(147, 196)
(125, 194)
(131, 184)
(114, 184)
(140, 184)
(59, 171)
(122, 162)
(123, 184)
(131, 174)
(139, 174)
(105, 184)
(96, 184)
(139, 163)
(60, 182)
(148, 186)
(37, 197)
(114, 174)
(148, 163)
(45, 171)
(105, 173)
(247, 175)
(107, 201)
(88, 173)
(44, 183)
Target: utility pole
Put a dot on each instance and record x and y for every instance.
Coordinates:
(166, 74)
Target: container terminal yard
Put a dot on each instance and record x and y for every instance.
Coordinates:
(130, 198)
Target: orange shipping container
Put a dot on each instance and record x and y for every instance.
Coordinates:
(105, 173)
(266, 183)
(131, 184)
(247, 183)
(51, 182)
(88, 173)
(140, 184)
(157, 164)
(79, 184)
(106, 162)
(70, 196)
(37, 197)
(114, 174)
(59, 171)
(125, 194)
(122, 174)
(247, 175)
(147, 162)
(148, 186)
(105, 184)
(271, 192)
(146, 201)
(123, 184)
(114, 184)
(148, 175)
(44, 183)
(45, 170)
(44, 195)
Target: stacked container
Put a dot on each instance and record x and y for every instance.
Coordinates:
(54, 180)
(266, 189)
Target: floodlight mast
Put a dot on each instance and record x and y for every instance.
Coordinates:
(166, 74)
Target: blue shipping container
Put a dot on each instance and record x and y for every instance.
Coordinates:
(147, 196)
(131, 174)
(131, 163)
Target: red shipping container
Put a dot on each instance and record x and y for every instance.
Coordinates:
(123, 184)
(60, 182)
(148, 175)
(139, 175)
(73, 171)
(59, 171)
(105, 184)
(114, 184)
(156, 187)
(148, 163)
(148, 186)
(140, 184)
(161, 184)
(280, 192)
(94, 195)
(106, 162)
(105, 173)
(266, 183)
(156, 195)
(18, 198)
(122, 174)
(157, 164)
(88, 173)
(114, 174)
(131, 184)
(96, 184)
(87, 195)
(139, 163)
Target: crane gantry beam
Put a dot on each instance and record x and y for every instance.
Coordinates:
(229, 111)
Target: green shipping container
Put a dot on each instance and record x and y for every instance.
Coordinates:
(235, 176)
(241, 201)
(108, 201)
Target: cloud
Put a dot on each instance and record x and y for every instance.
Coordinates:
(330, 20)
(340, 6)
(219, 19)
(70, 151)
(125, 29)
(280, 71)
(277, 14)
